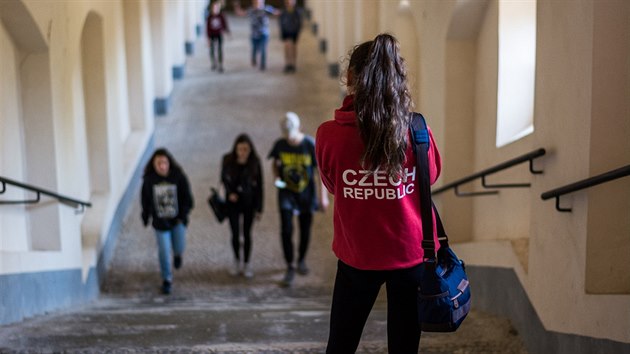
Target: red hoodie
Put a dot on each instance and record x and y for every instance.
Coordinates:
(377, 223)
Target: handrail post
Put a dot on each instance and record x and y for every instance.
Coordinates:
(531, 168)
(558, 208)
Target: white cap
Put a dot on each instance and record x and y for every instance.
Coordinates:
(290, 125)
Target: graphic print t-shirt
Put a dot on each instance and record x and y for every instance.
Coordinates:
(165, 200)
(297, 164)
(216, 23)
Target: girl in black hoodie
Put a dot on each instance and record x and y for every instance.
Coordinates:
(167, 200)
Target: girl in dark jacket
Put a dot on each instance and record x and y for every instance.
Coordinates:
(241, 175)
(166, 199)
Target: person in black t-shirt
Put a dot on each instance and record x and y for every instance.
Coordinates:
(294, 168)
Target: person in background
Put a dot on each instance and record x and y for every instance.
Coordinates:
(290, 26)
(259, 24)
(294, 169)
(366, 160)
(166, 200)
(242, 177)
(216, 25)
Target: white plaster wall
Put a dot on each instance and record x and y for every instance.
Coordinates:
(334, 52)
(190, 21)
(506, 215)
(609, 204)
(176, 34)
(431, 22)
(563, 121)
(162, 63)
(13, 219)
(62, 24)
(120, 103)
(406, 33)
(367, 19)
(346, 27)
(140, 83)
(138, 63)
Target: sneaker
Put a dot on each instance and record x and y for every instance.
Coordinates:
(247, 272)
(220, 68)
(166, 287)
(302, 268)
(236, 268)
(288, 278)
(177, 261)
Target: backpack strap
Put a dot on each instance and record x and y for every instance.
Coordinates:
(421, 144)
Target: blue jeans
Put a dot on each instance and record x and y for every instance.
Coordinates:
(169, 241)
(260, 45)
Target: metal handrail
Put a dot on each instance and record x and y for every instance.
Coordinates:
(502, 166)
(585, 183)
(78, 204)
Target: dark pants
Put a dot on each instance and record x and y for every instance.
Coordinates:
(305, 220)
(353, 298)
(248, 218)
(216, 41)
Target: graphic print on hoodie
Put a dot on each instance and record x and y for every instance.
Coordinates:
(165, 200)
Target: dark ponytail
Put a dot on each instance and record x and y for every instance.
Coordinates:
(381, 102)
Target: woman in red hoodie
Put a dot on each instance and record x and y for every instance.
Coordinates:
(366, 161)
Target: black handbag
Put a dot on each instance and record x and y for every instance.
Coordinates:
(217, 204)
(444, 291)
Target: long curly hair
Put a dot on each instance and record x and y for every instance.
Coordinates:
(382, 102)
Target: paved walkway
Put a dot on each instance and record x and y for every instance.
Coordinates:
(209, 310)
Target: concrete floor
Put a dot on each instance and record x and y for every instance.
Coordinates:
(209, 310)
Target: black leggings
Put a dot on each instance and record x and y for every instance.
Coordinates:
(353, 298)
(248, 219)
(305, 219)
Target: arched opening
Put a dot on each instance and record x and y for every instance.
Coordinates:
(26, 106)
(95, 104)
(92, 62)
(139, 78)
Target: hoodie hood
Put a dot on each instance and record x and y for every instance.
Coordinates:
(345, 114)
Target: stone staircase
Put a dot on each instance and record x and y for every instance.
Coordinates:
(253, 320)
